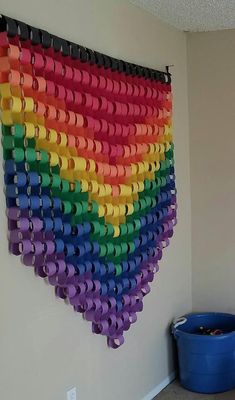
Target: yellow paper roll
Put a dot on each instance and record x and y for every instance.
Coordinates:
(5, 90)
(125, 190)
(116, 211)
(135, 187)
(140, 186)
(63, 162)
(101, 211)
(63, 139)
(93, 186)
(101, 191)
(78, 163)
(28, 104)
(91, 165)
(84, 185)
(116, 231)
(108, 189)
(134, 169)
(52, 136)
(29, 130)
(54, 158)
(16, 105)
(41, 132)
(6, 117)
(108, 209)
(130, 208)
(122, 209)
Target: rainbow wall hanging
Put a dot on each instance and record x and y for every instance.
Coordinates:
(89, 172)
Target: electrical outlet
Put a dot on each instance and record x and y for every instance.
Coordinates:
(72, 394)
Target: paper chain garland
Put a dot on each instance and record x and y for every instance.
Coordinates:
(89, 172)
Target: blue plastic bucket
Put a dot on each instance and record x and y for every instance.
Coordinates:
(206, 363)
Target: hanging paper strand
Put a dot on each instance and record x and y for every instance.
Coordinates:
(89, 172)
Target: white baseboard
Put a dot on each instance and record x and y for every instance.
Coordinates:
(160, 387)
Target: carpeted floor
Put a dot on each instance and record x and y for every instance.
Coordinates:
(176, 392)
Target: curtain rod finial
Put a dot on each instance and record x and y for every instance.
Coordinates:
(168, 67)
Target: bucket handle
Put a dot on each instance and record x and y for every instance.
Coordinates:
(177, 322)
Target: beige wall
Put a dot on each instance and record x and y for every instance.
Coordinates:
(212, 130)
(45, 348)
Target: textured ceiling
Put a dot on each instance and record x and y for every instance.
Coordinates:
(192, 15)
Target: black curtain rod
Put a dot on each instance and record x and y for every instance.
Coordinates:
(38, 36)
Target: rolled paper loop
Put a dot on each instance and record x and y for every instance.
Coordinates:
(116, 342)
(23, 224)
(16, 236)
(38, 248)
(49, 247)
(50, 268)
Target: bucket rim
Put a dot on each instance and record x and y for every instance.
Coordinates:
(178, 331)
